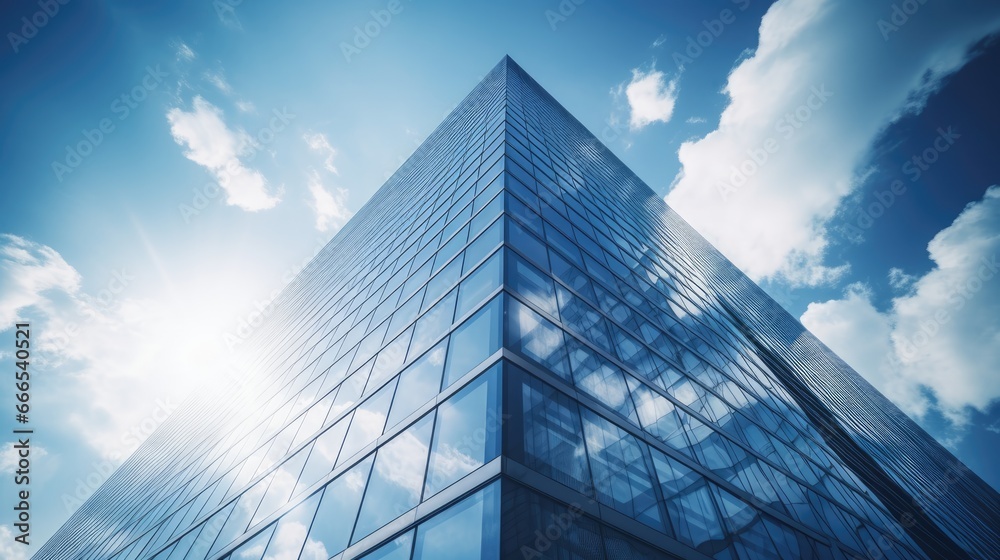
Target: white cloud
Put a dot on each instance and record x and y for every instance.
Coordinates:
(942, 337)
(9, 548)
(695, 120)
(994, 427)
(900, 280)
(28, 271)
(246, 106)
(659, 41)
(650, 98)
(213, 145)
(330, 207)
(319, 143)
(93, 349)
(218, 80)
(804, 111)
(185, 52)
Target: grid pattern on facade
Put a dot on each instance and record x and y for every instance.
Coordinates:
(515, 349)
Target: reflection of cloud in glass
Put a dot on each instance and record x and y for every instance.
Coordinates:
(452, 460)
(314, 550)
(248, 503)
(252, 552)
(281, 486)
(327, 450)
(538, 338)
(402, 463)
(607, 389)
(355, 479)
(684, 392)
(368, 423)
(436, 356)
(286, 541)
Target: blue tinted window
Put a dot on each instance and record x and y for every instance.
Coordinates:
(253, 549)
(478, 249)
(338, 508)
(553, 436)
(433, 324)
(418, 383)
(396, 549)
(290, 534)
(467, 432)
(466, 531)
(479, 284)
(474, 341)
(536, 338)
(397, 478)
(533, 284)
(689, 502)
(322, 455)
(367, 422)
(620, 469)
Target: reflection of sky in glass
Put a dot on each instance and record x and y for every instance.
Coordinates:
(418, 383)
(331, 529)
(291, 531)
(473, 341)
(323, 454)
(280, 489)
(397, 549)
(456, 534)
(461, 435)
(368, 422)
(254, 548)
(539, 339)
(396, 479)
(390, 358)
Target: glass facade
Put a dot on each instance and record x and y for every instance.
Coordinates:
(517, 350)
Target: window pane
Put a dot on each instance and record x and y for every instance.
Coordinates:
(418, 383)
(239, 520)
(479, 284)
(553, 435)
(323, 456)
(389, 359)
(527, 244)
(368, 422)
(290, 534)
(280, 490)
(600, 379)
(338, 508)
(483, 244)
(689, 502)
(533, 284)
(397, 549)
(473, 341)
(210, 529)
(397, 478)
(442, 281)
(621, 473)
(536, 338)
(253, 549)
(467, 432)
(466, 531)
(433, 324)
(583, 319)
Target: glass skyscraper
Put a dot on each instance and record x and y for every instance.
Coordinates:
(517, 350)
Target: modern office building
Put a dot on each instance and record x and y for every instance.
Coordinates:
(517, 350)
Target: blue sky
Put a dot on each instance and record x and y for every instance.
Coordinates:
(166, 167)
